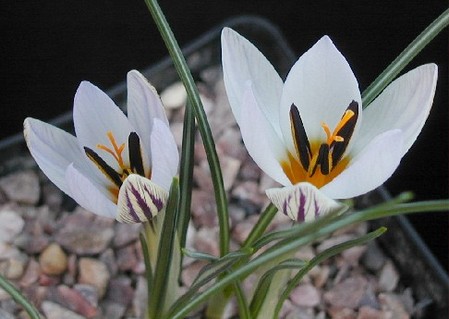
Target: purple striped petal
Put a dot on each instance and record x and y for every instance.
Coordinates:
(302, 202)
(140, 200)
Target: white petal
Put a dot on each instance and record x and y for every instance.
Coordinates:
(322, 85)
(164, 155)
(94, 114)
(140, 200)
(144, 105)
(243, 62)
(261, 141)
(53, 149)
(405, 104)
(302, 202)
(370, 168)
(88, 195)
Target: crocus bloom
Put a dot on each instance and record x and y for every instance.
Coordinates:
(310, 132)
(116, 166)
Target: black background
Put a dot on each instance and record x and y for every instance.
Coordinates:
(48, 47)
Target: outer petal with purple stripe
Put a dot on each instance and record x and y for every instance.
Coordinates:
(303, 202)
(140, 200)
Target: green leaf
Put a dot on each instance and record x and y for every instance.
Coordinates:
(203, 126)
(186, 174)
(263, 291)
(19, 298)
(165, 263)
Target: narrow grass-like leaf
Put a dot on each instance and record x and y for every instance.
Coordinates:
(264, 283)
(19, 298)
(186, 174)
(242, 303)
(404, 58)
(203, 126)
(165, 255)
(148, 268)
(210, 272)
(345, 220)
(326, 254)
(199, 256)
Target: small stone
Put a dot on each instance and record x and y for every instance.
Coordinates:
(352, 255)
(206, 241)
(11, 224)
(374, 258)
(342, 313)
(31, 274)
(54, 311)
(5, 315)
(392, 304)
(120, 291)
(21, 187)
(249, 171)
(388, 278)
(174, 96)
(204, 209)
(108, 257)
(190, 272)
(113, 310)
(322, 276)
(93, 272)
(366, 312)
(125, 234)
(88, 292)
(230, 168)
(242, 229)
(140, 299)
(85, 240)
(126, 258)
(347, 294)
(249, 191)
(201, 175)
(306, 295)
(12, 268)
(73, 300)
(53, 260)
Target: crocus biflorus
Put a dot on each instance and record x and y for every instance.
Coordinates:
(116, 166)
(310, 132)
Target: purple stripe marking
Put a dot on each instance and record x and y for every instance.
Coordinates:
(156, 201)
(142, 204)
(132, 212)
(317, 209)
(301, 208)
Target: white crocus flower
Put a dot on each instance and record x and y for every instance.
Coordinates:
(310, 134)
(116, 166)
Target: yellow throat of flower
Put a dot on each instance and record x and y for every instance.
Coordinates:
(319, 162)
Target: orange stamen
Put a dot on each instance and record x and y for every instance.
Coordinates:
(116, 152)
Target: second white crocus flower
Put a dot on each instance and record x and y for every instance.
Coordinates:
(116, 166)
(310, 133)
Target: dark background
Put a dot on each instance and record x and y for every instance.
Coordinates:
(48, 47)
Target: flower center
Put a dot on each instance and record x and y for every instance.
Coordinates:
(135, 165)
(319, 162)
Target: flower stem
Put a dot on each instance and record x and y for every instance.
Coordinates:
(395, 67)
(206, 134)
(19, 298)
